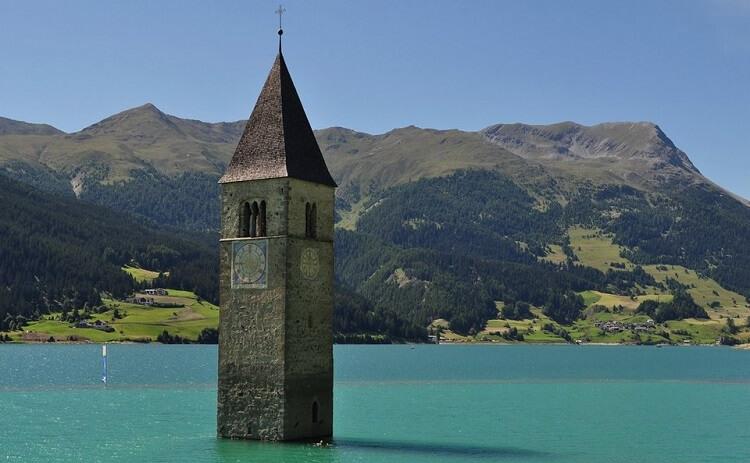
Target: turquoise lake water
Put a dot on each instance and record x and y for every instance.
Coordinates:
(392, 404)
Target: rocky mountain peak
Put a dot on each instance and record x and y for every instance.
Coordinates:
(568, 141)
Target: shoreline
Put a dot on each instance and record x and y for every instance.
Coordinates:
(477, 343)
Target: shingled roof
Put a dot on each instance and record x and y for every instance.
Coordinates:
(278, 140)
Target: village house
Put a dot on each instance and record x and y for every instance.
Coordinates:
(156, 292)
(615, 326)
(96, 324)
(140, 300)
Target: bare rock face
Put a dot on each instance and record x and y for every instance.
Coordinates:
(568, 141)
(78, 183)
(633, 153)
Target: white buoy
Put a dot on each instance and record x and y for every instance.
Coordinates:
(104, 364)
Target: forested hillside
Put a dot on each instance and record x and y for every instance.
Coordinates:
(450, 247)
(432, 225)
(187, 201)
(61, 253)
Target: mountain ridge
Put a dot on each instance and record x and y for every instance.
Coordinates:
(146, 138)
(15, 127)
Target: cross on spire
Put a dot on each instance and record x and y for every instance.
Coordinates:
(280, 11)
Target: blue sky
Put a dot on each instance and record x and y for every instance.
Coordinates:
(373, 66)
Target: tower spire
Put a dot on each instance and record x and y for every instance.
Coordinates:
(278, 140)
(280, 11)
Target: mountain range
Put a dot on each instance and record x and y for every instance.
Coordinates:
(146, 139)
(432, 224)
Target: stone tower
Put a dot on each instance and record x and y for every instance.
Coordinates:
(276, 282)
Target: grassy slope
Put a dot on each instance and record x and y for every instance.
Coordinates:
(139, 322)
(382, 161)
(598, 298)
(555, 254)
(595, 249)
(140, 274)
(704, 290)
(348, 220)
(138, 138)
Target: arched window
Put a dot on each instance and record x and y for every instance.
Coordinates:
(245, 221)
(307, 220)
(311, 213)
(254, 220)
(315, 412)
(262, 219)
(314, 221)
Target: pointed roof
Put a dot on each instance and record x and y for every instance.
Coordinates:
(278, 140)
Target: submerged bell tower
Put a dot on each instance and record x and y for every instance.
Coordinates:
(276, 275)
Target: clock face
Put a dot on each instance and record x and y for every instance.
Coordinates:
(308, 263)
(249, 263)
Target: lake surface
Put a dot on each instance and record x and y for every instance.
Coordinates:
(392, 404)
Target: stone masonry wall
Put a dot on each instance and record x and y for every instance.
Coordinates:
(276, 344)
(251, 323)
(309, 313)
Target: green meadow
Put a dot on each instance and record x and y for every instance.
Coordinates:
(139, 323)
(140, 274)
(595, 248)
